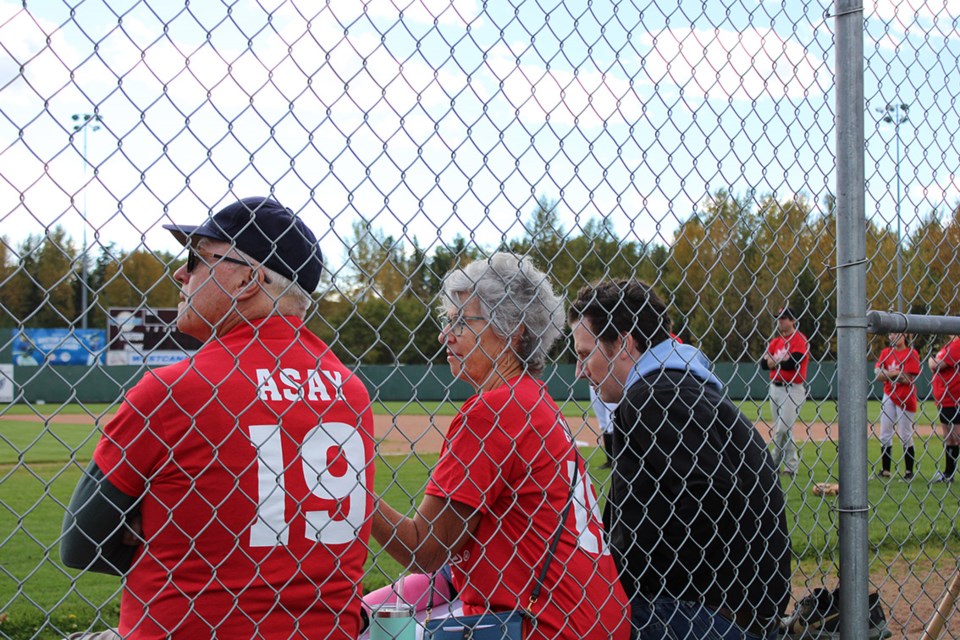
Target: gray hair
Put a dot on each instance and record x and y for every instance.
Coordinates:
(284, 292)
(514, 295)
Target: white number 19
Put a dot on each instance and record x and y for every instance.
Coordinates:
(585, 511)
(271, 527)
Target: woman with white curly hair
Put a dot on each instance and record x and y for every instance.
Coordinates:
(509, 468)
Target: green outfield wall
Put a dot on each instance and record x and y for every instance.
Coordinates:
(61, 384)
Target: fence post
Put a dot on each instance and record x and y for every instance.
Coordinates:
(851, 320)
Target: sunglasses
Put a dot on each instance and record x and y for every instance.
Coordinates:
(194, 258)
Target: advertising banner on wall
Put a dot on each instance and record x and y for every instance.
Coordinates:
(6, 383)
(140, 336)
(34, 347)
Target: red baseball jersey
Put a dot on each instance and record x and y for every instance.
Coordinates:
(255, 462)
(509, 455)
(907, 360)
(946, 381)
(797, 343)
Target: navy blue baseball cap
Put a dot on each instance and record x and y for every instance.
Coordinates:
(268, 232)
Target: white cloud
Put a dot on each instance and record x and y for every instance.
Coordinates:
(458, 13)
(884, 9)
(929, 18)
(908, 10)
(588, 98)
(36, 60)
(746, 65)
(443, 12)
(890, 42)
(944, 191)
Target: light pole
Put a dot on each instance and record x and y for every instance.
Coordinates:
(84, 122)
(896, 114)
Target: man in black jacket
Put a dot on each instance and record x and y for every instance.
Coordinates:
(695, 513)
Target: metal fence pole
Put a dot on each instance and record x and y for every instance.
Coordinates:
(882, 322)
(851, 320)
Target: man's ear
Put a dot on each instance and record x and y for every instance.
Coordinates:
(630, 348)
(250, 285)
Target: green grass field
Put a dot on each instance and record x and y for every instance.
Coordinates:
(40, 463)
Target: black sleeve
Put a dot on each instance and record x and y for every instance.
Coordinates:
(94, 525)
(763, 363)
(793, 362)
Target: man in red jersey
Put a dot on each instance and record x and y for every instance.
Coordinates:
(233, 490)
(787, 358)
(897, 367)
(946, 390)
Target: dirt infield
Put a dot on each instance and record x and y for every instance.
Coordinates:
(424, 434)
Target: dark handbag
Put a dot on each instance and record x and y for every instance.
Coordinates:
(502, 625)
(505, 625)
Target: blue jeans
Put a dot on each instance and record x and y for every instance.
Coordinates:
(667, 619)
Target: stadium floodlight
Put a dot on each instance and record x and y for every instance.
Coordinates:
(896, 114)
(85, 122)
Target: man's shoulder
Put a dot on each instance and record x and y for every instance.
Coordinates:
(667, 391)
(673, 383)
(162, 378)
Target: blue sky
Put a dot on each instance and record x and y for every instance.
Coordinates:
(456, 117)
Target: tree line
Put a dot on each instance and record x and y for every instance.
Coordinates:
(725, 270)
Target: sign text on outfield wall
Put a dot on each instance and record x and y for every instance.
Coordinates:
(146, 336)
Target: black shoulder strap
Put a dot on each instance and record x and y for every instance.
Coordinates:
(535, 594)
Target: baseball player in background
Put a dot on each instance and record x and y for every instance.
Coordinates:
(946, 390)
(233, 490)
(897, 368)
(786, 358)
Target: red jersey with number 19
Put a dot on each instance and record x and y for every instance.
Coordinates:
(254, 460)
(509, 455)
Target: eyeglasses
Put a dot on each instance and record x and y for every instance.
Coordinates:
(456, 324)
(194, 258)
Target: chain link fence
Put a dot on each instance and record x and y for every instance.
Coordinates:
(693, 147)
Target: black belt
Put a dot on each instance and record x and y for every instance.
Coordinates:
(781, 383)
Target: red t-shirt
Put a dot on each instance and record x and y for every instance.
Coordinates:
(509, 454)
(946, 381)
(903, 394)
(797, 343)
(255, 462)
